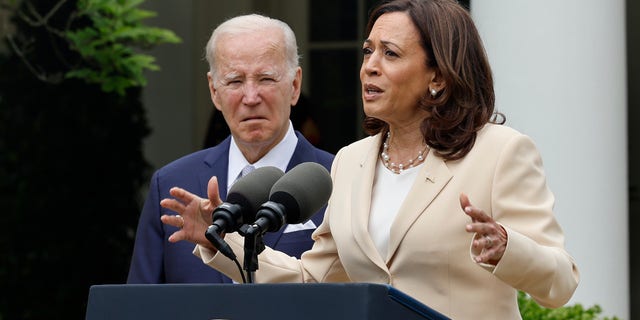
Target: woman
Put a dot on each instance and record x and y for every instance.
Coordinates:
(441, 201)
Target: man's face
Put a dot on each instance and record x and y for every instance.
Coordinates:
(253, 87)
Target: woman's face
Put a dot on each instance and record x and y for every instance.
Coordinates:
(394, 74)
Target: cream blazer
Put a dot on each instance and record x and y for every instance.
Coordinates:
(430, 255)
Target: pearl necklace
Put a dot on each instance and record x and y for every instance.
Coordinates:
(398, 168)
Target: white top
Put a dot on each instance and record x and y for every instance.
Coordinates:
(389, 191)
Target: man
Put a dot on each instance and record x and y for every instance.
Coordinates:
(254, 80)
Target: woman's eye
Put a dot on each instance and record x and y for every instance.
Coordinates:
(366, 51)
(390, 53)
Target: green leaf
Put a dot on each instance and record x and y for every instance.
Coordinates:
(109, 46)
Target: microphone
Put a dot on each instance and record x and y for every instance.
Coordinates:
(295, 197)
(243, 200)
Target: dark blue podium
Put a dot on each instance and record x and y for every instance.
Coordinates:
(254, 301)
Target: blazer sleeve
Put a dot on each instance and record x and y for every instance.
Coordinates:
(535, 260)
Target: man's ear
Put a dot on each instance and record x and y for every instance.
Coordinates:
(297, 86)
(213, 91)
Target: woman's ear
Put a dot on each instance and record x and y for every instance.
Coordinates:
(437, 82)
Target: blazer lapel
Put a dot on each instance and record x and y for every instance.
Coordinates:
(432, 178)
(361, 202)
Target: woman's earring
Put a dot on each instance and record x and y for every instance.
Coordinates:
(433, 92)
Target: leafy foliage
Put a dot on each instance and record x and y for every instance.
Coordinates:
(105, 45)
(71, 159)
(531, 310)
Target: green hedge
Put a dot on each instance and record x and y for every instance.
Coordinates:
(531, 310)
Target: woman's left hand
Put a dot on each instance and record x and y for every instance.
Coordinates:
(491, 239)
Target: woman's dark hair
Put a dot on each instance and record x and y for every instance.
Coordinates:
(454, 49)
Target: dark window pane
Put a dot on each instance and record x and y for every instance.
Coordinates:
(333, 20)
(335, 92)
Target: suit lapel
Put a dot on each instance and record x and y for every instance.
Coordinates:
(432, 178)
(217, 161)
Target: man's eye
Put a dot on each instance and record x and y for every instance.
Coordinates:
(233, 83)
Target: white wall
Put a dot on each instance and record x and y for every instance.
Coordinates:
(560, 75)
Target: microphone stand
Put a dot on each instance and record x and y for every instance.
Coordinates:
(253, 245)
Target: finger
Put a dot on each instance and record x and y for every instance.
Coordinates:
(477, 214)
(481, 228)
(490, 255)
(182, 194)
(482, 241)
(213, 192)
(476, 226)
(483, 257)
(173, 204)
(172, 220)
(181, 223)
(177, 236)
(476, 243)
(488, 241)
(178, 222)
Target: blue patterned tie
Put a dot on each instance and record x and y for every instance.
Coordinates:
(246, 170)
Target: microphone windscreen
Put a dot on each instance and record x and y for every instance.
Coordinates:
(303, 190)
(252, 190)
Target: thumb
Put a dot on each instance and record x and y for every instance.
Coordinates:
(213, 192)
